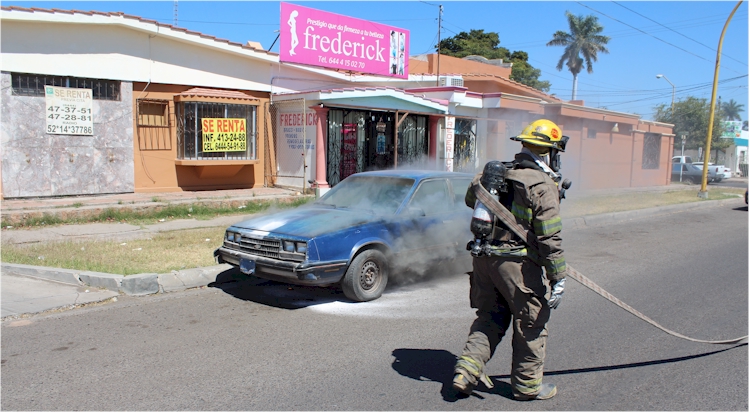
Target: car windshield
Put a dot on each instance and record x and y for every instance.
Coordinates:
(377, 194)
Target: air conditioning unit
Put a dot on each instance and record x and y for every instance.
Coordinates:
(452, 81)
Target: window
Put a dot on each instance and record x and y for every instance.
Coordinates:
(431, 197)
(591, 133)
(464, 148)
(190, 117)
(24, 84)
(153, 125)
(460, 187)
(651, 151)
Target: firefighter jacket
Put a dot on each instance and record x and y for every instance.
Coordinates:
(534, 200)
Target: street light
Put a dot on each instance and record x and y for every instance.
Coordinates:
(665, 78)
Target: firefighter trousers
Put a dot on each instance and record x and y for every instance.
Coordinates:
(505, 290)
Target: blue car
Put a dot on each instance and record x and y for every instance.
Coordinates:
(369, 227)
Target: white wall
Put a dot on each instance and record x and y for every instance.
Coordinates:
(124, 53)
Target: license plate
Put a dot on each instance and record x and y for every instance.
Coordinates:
(247, 266)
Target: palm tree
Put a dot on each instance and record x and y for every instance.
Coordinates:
(731, 110)
(581, 45)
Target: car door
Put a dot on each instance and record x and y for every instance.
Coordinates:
(430, 216)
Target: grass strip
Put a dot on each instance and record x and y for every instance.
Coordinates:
(132, 215)
(159, 254)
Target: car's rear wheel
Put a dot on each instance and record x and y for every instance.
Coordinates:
(366, 276)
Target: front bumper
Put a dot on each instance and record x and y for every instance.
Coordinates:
(299, 273)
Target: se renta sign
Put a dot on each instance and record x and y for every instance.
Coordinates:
(224, 134)
(319, 38)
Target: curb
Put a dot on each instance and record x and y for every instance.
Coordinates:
(135, 285)
(614, 217)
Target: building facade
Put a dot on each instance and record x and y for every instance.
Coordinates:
(173, 110)
(143, 86)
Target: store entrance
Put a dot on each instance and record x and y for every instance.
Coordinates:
(361, 141)
(358, 141)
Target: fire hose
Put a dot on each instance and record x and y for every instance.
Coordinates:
(507, 218)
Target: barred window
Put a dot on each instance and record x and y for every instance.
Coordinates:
(153, 120)
(651, 151)
(26, 84)
(190, 134)
(591, 134)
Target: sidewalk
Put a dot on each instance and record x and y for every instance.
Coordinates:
(31, 289)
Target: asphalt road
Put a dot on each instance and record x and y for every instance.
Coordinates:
(269, 346)
(731, 183)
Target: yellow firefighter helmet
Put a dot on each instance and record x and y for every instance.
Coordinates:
(542, 132)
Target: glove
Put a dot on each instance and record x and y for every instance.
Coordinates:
(557, 291)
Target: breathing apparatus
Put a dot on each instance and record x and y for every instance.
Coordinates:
(540, 133)
(483, 221)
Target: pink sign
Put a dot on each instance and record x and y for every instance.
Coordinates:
(319, 38)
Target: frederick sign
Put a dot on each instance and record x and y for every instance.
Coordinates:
(319, 38)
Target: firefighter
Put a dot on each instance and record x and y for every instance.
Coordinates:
(508, 286)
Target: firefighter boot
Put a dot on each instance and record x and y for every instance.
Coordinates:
(547, 391)
(468, 372)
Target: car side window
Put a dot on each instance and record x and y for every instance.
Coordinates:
(460, 186)
(432, 197)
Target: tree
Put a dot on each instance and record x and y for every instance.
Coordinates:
(487, 45)
(731, 110)
(524, 73)
(690, 118)
(582, 45)
(476, 42)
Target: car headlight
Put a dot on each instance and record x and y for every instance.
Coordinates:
(232, 236)
(299, 247)
(288, 246)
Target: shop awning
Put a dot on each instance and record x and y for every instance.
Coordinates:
(376, 98)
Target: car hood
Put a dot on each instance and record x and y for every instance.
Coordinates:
(308, 222)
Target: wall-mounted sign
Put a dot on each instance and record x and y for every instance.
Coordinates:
(319, 38)
(224, 134)
(69, 111)
(450, 125)
(732, 129)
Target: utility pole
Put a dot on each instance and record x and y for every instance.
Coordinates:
(703, 193)
(174, 21)
(440, 23)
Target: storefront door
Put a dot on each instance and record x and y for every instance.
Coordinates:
(363, 141)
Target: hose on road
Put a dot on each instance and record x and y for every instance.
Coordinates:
(507, 218)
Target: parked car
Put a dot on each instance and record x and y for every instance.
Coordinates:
(369, 227)
(692, 173)
(722, 172)
(682, 159)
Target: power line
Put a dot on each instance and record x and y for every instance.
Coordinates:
(632, 27)
(648, 18)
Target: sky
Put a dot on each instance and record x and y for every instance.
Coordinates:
(677, 39)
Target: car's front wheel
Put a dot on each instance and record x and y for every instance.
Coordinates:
(366, 277)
